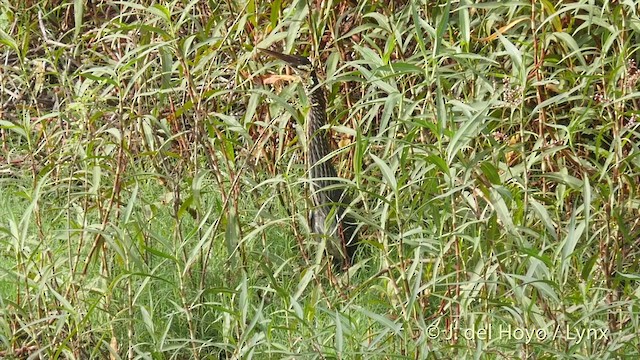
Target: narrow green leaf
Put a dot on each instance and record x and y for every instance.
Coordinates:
(502, 210)
(339, 335)
(491, 172)
(443, 25)
(78, 16)
(465, 27)
(516, 57)
(543, 215)
(386, 173)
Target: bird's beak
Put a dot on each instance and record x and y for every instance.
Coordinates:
(292, 60)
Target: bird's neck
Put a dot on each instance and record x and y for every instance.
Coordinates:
(316, 119)
(321, 170)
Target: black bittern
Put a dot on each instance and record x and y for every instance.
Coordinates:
(328, 217)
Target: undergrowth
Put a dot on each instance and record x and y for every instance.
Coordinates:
(154, 198)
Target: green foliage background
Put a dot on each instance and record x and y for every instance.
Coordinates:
(153, 199)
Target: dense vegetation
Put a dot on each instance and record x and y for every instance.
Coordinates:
(153, 197)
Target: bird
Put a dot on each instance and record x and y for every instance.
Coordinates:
(328, 217)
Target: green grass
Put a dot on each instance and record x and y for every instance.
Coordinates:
(153, 197)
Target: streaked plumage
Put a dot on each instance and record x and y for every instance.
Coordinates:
(328, 217)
